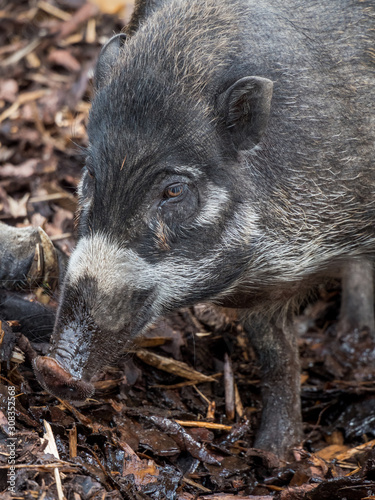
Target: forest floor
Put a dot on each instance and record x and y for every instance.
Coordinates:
(155, 428)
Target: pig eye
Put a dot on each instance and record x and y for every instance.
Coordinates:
(174, 190)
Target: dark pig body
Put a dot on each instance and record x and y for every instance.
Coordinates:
(230, 160)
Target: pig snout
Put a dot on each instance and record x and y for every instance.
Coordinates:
(59, 382)
(82, 345)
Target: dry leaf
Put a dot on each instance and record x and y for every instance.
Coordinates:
(119, 7)
(22, 171)
(144, 471)
(17, 208)
(9, 90)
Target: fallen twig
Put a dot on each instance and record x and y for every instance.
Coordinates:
(185, 441)
(207, 425)
(172, 366)
(229, 388)
(52, 448)
(190, 482)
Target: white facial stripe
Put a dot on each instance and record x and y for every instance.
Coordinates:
(84, 205)
(99, 258)
(79, 187)
(216, 199)
(185, 170)
(242, 228)
(116, 270)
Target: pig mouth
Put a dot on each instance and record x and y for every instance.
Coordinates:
(59, 382)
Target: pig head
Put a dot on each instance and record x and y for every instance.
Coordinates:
(162, 222)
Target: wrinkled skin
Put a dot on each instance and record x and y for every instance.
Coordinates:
(230, 160)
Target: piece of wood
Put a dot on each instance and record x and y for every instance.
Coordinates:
(73, 442)
(207, 425)
(238, 403)
(346, 455)
(22, 99)
(52, 449)
(54, 11)
(152, 341)
(186, 383)
(190, 482)
(229, 388)
(170, 365)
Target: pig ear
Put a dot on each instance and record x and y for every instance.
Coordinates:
(245, 108)
(107, 59)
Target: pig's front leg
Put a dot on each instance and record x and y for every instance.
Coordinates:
(276, 347)
(357, 304)
(28, 257)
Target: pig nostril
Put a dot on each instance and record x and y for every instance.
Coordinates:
(55, 379)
